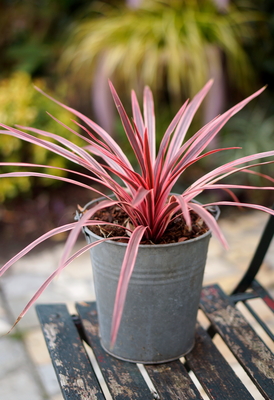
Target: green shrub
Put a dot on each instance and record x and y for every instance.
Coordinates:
(21, 104)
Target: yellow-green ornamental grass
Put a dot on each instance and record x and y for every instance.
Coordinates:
(172, 44)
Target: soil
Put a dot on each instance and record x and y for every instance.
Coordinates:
(177, 230)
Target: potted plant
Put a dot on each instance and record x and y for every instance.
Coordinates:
(143, 214)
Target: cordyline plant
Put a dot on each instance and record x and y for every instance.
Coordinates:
(145, 196)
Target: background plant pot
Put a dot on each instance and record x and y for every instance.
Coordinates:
(159, 317)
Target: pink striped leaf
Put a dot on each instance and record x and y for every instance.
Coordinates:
(228, 168)
(126, 272)
(71, 240)
(137, 115)
(240, 204)
(186, 120)
(127, 127)
(210, 221)
(164, 143)
(149, 117)
(197, 189)
(55, 274)
(208, 135)
(139, 196)
(167, 136)
(100, 131)
(168, 183)
(230, 186)
(185, 209)
(115, 189)
(44, 237)
(42, 143)
(73, 147)
(163, 217)
(149, 173)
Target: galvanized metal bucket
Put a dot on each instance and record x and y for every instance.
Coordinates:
(158, 322)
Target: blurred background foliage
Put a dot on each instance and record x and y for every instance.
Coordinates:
(21, 103)
(169, 45)
(33, 32)
(69, 48)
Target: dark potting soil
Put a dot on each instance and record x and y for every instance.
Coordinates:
(177, 230)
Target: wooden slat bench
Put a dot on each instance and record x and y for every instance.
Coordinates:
(70, 339)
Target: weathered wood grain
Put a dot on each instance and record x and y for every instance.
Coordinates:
(212, 370)
(254, 356)
(71, 363)
(172, 381)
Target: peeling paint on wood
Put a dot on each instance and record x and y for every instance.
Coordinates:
(84, 391)
(63, 380)
(118, 388)
(75, 374)
(265, 367)
(59, 363)
(251, 352)
(51, 331)
(171, 380)
(214, 373)
(89, 327)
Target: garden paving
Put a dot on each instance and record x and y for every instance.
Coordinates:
(26, 371)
